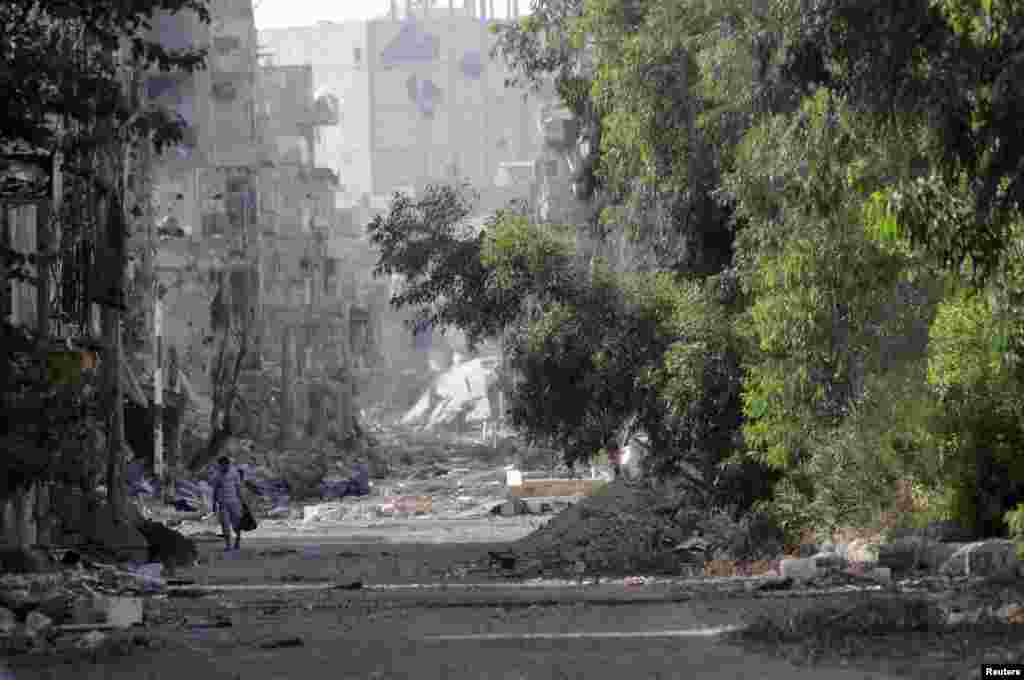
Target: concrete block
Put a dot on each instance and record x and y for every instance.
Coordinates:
(118, 612)
(532, 488)
(828, 560)
(798, 569)
(882, 575)
(37, 623)
(122, 612)
(985, 558)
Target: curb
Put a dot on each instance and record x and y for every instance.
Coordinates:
(455, 595)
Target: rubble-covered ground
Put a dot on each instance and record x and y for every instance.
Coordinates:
(625, 536)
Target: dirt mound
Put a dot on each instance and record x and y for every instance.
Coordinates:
(624, 528)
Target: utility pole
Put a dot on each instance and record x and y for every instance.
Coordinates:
(158, 384)
(153, 279)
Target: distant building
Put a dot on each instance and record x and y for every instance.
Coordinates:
(419, 101)
(205, 191)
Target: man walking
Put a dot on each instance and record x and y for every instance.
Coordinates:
(227, 501)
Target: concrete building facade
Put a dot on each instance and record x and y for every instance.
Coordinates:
(420, 101)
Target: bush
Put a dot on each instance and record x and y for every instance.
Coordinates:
(1015, 524)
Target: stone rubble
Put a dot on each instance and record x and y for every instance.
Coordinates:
(76, 606)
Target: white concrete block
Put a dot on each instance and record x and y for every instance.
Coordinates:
(881, 574)
(123, 612)
(798, 569)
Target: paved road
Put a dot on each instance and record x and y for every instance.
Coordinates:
(455, 643)
(384, 634)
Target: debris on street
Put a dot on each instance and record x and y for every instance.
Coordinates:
(282, 643)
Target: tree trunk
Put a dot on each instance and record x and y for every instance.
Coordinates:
(115, 402)
(43, 514)
(287, 389)
(174, 438)
(226, 374)
(113, 219)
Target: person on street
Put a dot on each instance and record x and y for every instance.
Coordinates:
(227, 501)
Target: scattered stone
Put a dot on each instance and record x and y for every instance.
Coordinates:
(986, 558)
(282, 643)
(776, 584)
(37, 623)
(122, 612)
(513, 507)
(828, 560)
(91, 640)
(354, 585)
(882, 575)
(218, 623)
(504, 560)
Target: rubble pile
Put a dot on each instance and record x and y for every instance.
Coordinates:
(76, 604)
(456, 399)
(622, 529)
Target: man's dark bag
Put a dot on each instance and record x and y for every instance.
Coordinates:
(248, 522)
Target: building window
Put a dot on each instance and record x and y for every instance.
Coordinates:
(357, 55)
(224, 91)
(226, 44)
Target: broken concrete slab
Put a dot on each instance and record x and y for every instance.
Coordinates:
(828, 560)
(912, 552)
(556, 487)
(982, 559)
(37, 623)
(798, 569)
(549, 504)
(123, 612)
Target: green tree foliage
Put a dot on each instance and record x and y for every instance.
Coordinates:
(957, 66)
(855, 168)
(578, 364)
(60, 62)
(537, 47)
(430, 244)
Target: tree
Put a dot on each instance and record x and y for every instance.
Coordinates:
(430, 243)
(956, 67)
(232, 333)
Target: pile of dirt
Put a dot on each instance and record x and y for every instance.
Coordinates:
(624, 528)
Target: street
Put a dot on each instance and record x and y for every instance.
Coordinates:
(276, 629)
